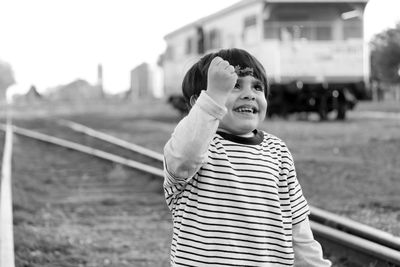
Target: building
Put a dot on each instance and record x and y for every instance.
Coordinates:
(141, 85)
(145, 82)
(311, 41)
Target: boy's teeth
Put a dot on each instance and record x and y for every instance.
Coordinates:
(250, 110)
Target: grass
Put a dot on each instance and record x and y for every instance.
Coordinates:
(350, 168)
(384, 106)
(74, 210)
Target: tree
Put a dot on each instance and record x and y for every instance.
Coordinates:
(6, 78)
(385, 56)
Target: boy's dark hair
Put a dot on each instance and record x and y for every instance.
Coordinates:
(195, 79)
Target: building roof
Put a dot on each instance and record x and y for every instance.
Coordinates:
(244, 3)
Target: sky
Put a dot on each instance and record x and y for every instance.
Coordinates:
(53, 42)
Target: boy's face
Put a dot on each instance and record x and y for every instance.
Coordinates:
(246, 105)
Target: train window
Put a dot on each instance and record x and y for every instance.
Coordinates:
(271, 30)
(250, 21)
(214, 40)
(352, 29)
(189, 46)
(169, 53)
(306, 33)
(323, 33)
(297, 30)
(250, 29)
(200, 40)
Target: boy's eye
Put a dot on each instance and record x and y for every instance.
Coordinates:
(237, 85)
(259, 87)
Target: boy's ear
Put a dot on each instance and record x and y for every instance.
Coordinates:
(193, 99)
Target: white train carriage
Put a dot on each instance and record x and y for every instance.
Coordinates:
(306, 42)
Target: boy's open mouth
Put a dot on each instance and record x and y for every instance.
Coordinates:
(246, 109)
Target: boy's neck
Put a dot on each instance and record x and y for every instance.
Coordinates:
(250, 134)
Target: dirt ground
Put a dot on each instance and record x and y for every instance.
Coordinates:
(350, 168)
(74, 210)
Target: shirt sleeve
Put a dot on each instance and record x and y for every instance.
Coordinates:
(187, 149)
(307, 251)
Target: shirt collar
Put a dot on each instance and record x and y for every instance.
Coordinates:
(254, 140)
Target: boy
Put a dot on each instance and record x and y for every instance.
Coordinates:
(231, 188)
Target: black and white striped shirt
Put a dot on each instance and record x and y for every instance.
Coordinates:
(235, 201)
(239, 208)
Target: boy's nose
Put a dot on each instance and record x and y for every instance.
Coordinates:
(248, 94)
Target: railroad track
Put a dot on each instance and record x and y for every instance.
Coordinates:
(94, 210)
(6, 215)
(346, 240)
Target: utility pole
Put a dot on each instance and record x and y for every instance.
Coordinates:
(100, 79)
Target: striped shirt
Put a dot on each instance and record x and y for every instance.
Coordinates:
(239, 208)
(234, 201)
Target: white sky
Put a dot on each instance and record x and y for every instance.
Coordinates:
(52, 42)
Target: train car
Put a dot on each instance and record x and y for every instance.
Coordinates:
(313, 50)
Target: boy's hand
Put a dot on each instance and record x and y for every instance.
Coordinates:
(221, 79)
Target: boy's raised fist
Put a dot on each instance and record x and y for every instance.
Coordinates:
(221, 77)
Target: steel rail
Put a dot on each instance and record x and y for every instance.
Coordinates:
(352, 239)
(111, 139)
(7, 257)
(317, 215)
(355, 228)
(381, 244)
(85, 149)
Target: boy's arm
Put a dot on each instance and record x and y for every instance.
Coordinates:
(307, 251)
(187, 149)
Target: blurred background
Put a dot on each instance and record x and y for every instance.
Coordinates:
(48, 45)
